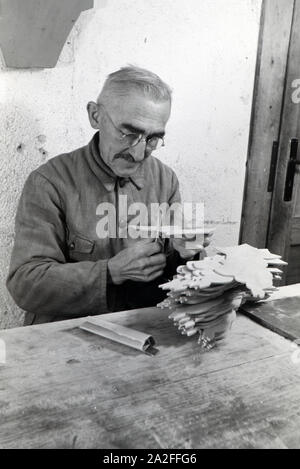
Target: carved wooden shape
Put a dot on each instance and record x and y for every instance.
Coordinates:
(33, 32)
(205, 294)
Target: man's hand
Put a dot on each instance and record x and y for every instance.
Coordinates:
(186, 254)
(141, 263)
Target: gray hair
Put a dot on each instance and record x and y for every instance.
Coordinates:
(132, 77)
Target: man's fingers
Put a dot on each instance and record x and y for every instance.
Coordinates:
(149, 249)
(145, 240)
(150, 270)
(156, 274)
(207, 240)
(187, 254)
(155, 260)
(152, 273)
(143, 243)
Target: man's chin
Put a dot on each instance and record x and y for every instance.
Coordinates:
(125, 171)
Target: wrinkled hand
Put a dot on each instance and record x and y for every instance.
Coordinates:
(179, 245)
(143, 262)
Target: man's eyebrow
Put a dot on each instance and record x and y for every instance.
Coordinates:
(138, 130)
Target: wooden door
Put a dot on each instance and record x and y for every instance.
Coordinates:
(293, 271)
(283, 235)
(271, 210)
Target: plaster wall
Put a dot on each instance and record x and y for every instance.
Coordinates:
(206, 51)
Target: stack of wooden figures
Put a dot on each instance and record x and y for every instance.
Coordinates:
(205, 295)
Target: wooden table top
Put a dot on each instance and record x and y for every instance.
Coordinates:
(62, 387)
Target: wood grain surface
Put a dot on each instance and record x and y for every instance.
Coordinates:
(62, 387)
(281, 316)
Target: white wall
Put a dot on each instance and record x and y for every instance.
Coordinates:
(206, 51)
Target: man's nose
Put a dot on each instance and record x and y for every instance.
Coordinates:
(138, 152)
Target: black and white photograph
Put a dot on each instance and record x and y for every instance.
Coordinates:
(150, 227)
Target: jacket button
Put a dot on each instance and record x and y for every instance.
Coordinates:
(72, 246)
(122, 223)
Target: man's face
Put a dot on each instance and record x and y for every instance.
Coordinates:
(131, 114)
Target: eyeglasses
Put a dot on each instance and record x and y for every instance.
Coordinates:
(133, 139)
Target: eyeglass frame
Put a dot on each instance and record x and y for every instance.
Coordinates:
(140, 137)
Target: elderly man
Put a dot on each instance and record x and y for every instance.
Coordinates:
(60, 267)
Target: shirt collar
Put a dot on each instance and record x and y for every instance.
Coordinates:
(104, 173)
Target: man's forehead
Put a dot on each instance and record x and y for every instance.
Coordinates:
(136, 108)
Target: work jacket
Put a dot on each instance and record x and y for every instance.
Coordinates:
(58, 266)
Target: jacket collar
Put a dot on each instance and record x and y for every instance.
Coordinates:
(104, 173)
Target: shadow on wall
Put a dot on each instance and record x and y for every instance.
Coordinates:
(22, 149)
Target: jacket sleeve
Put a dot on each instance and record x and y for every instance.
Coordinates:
(40, 279)
(175, 196)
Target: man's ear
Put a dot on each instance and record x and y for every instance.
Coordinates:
(94, 114)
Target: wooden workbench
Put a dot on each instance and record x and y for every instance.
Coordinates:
(62, 387)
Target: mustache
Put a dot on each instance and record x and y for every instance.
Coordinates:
(124, 156)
